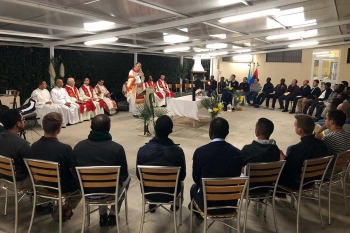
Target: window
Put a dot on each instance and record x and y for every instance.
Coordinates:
(287, 56)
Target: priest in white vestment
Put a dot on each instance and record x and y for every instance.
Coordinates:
(103, 94)
(136, 87)
(163, 88)
(158, 97)
(87, 93)
(44, 104)
(61, 98)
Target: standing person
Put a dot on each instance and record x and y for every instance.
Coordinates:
(314, 94)
(243, 89)
(213, 86)
(50, 149)
(61, 98)
(103, 94)
(254, 91)
(158, 97)
(233, 82)
(162, 87)
(100, 150)
(136, 87)
(221, 85)
(88, 93)
(304, 91)
(198, 84)
(289, 95)
(279, 90)
(216, 159)
(311, 105)
(44, 103)
(266, 91)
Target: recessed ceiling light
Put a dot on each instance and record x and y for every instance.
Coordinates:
(220, 36)
(170, 38)
(98, 26)
(101, 41)
(183, 29)
(177, 50)
(112, 15)
(243, 50)
(303, 44)
(228, 2)
(252, 15)
(198, 50)
(247, 44)
(236, 47)
(216, 46)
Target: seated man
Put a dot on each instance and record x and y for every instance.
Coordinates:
(163, 88)
(14, 147)
(88, 94)
(100, 150)
(304, 91)
(216, 159)
(263, 149)
(321, 106)
(162, 151)
(311, 105)
(266, 91)
(243, 89)
(279, 90)
(158, 97)
(50, 149)
(213, 85)
(85, 107)
(103, 94)
(289, 95)
(44, 104)
(309, 147)
(253, 92)
(61, 98)
(315, 92)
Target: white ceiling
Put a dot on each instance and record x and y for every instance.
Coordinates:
(140, 24)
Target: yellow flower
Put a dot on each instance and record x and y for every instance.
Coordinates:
(220, 106)
(215, 110)
(230, 88)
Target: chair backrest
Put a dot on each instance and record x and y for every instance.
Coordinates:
(178, 86)
(44, 174)
(341, 164)
(159, 177)
(223, 189)
(98, 177)
(188, 85)
(7, 168)
(170, 86)
(314, 169)
(264, 174)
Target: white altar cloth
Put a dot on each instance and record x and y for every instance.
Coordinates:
(184, 107)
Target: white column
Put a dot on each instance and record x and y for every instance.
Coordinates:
(181, 63)
(211, 67)
(135, 58)
(52, 55)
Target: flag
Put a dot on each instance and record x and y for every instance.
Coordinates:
(248, 77)
(255, 75)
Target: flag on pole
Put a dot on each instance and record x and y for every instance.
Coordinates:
(248, 77)
(255, 75)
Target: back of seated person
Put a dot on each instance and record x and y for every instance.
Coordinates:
(2, 109)
(49, 148)
(309, 147)
(214, 160)
(162, 151)
(15, 147)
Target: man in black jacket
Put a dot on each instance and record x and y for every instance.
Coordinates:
(311, 105)
(234, 82)
(213, 86)
(304, 91)
(244, 88)
(266, 91)
(278, 91)
(315, 92)
(100, 150)
(263, 149)
(162, 151)
(308, 148)
(216, 159)
(289, 95)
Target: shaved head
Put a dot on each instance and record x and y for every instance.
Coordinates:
(59, 82)
(101, 123)
(70, 81)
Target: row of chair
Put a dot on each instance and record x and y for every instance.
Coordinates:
(261, 186)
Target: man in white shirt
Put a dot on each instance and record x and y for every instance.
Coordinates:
(61, 98)
(164, 89)
(88, 94)
(44, 104)
(103, 94)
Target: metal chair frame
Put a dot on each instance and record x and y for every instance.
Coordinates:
(312, 169)
(160, 176)
(7, 167)
(262, 173)
(231, 185)
(92, 174)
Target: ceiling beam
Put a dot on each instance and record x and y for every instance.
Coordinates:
(177, 23)
(11, 39)
(27, 34)
(252, 36)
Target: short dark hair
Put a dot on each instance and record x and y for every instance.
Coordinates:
(328, 84)
(164, 126)
(219, 127)
(268, 79)
(306, 123)
(345, 83)
(296, 81)
(101, 123)
(317, 81)
(340, 88)
(337, 116)
(101, 79)
(9, 118)
(41, 82)
(265, 127)
(52, 122)
(257, 79)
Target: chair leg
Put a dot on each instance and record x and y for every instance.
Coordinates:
(265, 208)
(33, 213)
(257, 208)
(274, 213)
(126, 206)
(116, 215)
(5, 211)
(245, 215)
(174, 214)
(298, 211)
(180, 207)
(84, 217)
(142, 215)
(329, 201)
(60, 215)
(205, 224)
(238, 223)
(16, 212)
(344, 195)
(88, 214)
(191, 215)
(319, 206)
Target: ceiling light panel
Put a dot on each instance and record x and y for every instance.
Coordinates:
(228, 2)
(294, 35)
(216, 46)
(98, 26)
(220, 36)
(170, 38)
(252, 15)
(303, 44)
(177, 50)
(101, 41)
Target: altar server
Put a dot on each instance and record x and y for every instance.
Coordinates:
(164, 89)
(159, 98)
(88, 93)
(103, 94)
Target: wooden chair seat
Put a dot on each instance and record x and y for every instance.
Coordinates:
(102, 202)
(259, 193)
(227, 215)
(45, 192)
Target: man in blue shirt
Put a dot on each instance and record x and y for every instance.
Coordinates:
(267, 90)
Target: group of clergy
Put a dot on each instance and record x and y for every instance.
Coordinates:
(76, 105)
(134, 90)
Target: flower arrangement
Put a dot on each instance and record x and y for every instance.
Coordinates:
(213, 105)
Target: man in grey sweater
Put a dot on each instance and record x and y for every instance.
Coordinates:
(254, 91)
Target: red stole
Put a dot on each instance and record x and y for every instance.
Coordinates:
(86, 92)
(154, 85)
(168, 93)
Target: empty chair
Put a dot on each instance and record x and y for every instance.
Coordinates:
(311, 180)
(178, 89)
(164, 179)
(101, 179)
(224, 190)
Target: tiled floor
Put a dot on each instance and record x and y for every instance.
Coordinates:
(125, 130)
